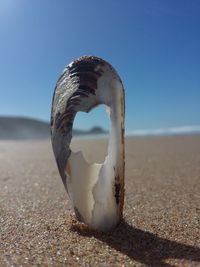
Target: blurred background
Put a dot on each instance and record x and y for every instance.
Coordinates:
(154, 46)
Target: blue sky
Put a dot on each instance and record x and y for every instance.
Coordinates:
(153, 44)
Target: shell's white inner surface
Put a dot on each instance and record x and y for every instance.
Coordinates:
(91, 187)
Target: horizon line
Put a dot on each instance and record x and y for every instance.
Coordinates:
(174, 130)
(187, 129)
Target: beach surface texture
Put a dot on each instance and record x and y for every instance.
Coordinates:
(161, 225)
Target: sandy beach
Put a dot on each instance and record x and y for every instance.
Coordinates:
(161, 225)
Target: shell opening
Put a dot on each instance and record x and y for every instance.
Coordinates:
(85, 140)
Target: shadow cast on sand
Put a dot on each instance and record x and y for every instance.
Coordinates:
(142, 246)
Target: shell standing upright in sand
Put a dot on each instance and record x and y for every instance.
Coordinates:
(96, 190)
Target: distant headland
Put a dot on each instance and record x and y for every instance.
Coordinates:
(22, 128)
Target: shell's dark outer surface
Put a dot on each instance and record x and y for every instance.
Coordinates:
(75, 91)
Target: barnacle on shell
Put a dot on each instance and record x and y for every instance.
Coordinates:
(96, 190)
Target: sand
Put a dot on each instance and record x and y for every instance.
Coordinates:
(161, 225)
